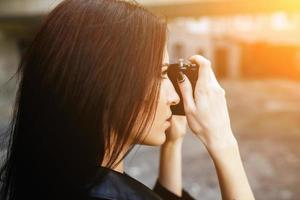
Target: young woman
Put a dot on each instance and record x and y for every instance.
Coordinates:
(92, 85)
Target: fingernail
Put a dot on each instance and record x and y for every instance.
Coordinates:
(180, 77)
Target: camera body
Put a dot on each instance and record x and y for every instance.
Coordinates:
(191, 71)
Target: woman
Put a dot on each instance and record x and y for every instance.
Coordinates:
(92, 86)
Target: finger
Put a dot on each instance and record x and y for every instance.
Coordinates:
(204, 73)
(187, 94)
(181, 119)
(214, 80)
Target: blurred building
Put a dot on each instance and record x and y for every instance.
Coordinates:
(242, 46)
(243, 39)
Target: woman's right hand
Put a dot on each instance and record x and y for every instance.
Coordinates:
(207, 113)
(208, 118)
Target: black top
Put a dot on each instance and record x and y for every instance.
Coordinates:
(113, 185)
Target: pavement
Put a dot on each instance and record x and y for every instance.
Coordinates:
(265, 116)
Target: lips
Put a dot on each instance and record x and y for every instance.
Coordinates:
(169, 118)
(168, 121)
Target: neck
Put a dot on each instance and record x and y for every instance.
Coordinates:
(119, 167)
(107, 156)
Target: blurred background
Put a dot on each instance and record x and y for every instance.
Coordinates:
(254, 47)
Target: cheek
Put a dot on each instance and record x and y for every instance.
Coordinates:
(156, 135)
(162, 102)
(154, 139)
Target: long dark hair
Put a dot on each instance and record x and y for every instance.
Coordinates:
(92, 69)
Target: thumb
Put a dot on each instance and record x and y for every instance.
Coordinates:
(186, 92)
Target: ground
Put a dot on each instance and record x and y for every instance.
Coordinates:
(265, 116)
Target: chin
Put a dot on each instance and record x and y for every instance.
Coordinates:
(155, 139)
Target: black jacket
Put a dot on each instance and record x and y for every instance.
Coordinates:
(113, 185)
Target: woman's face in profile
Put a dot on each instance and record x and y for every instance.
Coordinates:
(167, 97)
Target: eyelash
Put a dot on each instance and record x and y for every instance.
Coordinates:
(164, 73)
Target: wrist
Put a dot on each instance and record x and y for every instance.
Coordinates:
(228, 154)
(172, 143)
(222, 147)
(171, 148)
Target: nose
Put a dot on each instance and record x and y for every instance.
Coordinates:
(173, 97)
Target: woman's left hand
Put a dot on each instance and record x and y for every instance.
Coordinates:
(178, 128)
(170, 155)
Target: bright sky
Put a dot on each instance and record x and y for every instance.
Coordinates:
(160, 2)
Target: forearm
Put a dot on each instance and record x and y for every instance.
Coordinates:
(231, 174)
(170, 173)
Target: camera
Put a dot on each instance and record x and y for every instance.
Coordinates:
(191, 71)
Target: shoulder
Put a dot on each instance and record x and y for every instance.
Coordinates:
(115, 185)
